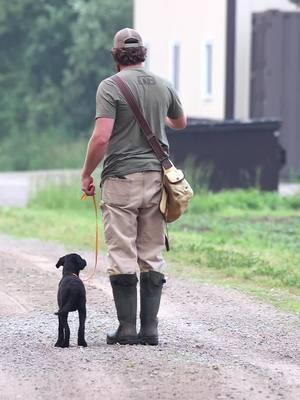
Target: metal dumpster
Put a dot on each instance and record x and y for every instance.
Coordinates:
(231, 154)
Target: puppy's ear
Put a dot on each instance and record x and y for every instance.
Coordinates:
(60, 262)
(82, 263)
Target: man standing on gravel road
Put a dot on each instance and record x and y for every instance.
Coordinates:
(131, 184)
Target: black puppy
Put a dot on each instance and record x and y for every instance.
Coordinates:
(71, 297)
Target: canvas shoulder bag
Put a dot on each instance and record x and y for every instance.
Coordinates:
(176, 191)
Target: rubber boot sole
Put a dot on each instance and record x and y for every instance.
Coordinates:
(124, 340)
(148, 340)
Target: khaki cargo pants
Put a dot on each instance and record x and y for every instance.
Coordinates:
(133, 224)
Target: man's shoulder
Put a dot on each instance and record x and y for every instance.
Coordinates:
(148, 75)
(161, 80)
(106, 85)
(107, 81)
(142, 76)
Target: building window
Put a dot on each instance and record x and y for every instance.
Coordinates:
(208, 70)
(175, 64)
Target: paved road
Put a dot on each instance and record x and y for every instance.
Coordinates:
(289, 189)
(17, 187)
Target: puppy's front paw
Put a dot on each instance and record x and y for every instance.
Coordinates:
(61, 344)
(82, 343)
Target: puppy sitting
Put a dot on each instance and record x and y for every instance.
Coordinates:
(71, 297)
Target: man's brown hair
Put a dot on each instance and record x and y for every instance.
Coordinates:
(130, 55)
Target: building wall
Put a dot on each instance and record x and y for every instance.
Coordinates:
(196, 25)
(275, 85)
(199, 28)
(245, 9)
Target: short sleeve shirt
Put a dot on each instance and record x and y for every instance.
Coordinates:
(128, 150)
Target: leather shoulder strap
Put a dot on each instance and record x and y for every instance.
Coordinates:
(151, 137)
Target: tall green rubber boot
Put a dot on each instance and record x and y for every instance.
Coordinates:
(125, 297)
(151, 284)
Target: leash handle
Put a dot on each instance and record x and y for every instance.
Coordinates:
(84, 197)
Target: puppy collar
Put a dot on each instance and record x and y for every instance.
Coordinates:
(75, 275)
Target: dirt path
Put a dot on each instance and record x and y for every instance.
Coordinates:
(215, 343)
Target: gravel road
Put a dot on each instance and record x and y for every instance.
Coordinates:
(215, 343)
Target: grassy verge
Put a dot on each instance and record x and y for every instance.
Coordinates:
(243, 239)
(42, 150)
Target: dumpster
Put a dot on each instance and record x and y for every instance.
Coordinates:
(230, 154)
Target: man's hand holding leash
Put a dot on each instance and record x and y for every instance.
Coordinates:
(87, 185)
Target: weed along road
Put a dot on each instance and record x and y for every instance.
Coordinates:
(216, 343)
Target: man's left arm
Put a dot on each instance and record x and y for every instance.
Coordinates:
(95, 152)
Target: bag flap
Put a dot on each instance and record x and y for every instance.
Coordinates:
(174, 175)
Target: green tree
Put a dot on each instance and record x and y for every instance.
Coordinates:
(53, 55)
(89, 58)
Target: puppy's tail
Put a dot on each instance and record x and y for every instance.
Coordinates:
(66, 307)
(61, 312)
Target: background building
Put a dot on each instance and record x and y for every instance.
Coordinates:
(204, 48)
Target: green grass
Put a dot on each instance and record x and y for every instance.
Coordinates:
(45, 150)
(244, 239)
(55, 214)
(243, 201)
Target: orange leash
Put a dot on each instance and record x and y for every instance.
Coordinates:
(83, 197)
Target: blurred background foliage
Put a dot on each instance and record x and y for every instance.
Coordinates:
(53, 55)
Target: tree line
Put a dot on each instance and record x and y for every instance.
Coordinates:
(53, 55)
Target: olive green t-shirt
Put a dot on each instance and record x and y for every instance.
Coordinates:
(128, 149)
